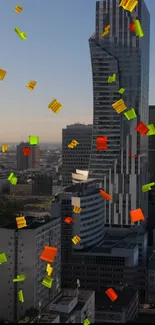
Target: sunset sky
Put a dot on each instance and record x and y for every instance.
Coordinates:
(56, 56)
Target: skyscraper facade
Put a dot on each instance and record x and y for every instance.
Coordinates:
(78, 157)
(122, 53)
(151, 155)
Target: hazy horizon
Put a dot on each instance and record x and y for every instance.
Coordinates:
(55, 55)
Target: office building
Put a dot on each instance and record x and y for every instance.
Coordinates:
(23, 249)
(42, 184)
(152, 144)
(105, 257)
(123, 310)
(151, 164)
(122, 53)
(151, 156)
(151, 279)
(30, 161)
(70, 306)
(78, 157)
(21, 189)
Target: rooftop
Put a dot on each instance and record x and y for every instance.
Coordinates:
(32, 223)
(103, 302)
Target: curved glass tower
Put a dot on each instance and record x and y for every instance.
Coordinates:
(123, 53)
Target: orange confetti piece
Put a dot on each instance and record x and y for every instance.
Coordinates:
(105, 195)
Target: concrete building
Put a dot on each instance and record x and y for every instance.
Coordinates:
(89, 225)
(21, 189)
(70, 306)
(78, 157)
(151, 159)
(23, 249)
(127, 56)
(151, 279)
(105, 257)
(151, 156)
(124, 309)
(42, 184)
(30, 161)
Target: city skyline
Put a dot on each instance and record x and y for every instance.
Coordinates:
(49, 64)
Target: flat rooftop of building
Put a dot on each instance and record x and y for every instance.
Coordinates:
(77, 186)
(48, 317)
(69, 294)
(107, 250)
(32, 223)
(103, 302)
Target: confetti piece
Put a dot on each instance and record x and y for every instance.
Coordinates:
(76, 239)
(105, 195)
(119, 106)
(142, 128)
(4, 147)
(22, 35)
(20, 296)
(31, 85)
(129, 154)
(106, 31)
(132, 27)
(69, 220)
(3, 258)
(112, 78)
(130, 114)
(18, 9)
(73, 144)
(77, 209)
(55, 106)
(101, 143)
(49, 269)
(2, 74)
(136, 215)
(21, 222)
(121, 91)
(47, 282)
(13, 179)
(49, 254)
(111, 294)
(86, 322)
(33, 140)
(138, 28)
(151, 130)
(26, 151)
(147, 187)
(19, 278)
(128, 4)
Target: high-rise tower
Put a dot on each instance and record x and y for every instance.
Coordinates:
(78, 157)
(123, 53)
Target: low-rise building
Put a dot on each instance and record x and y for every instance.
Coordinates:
(124, 309)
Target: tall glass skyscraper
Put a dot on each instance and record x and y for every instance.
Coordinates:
(123, 53)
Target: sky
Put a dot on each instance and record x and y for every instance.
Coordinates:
(55, 55)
